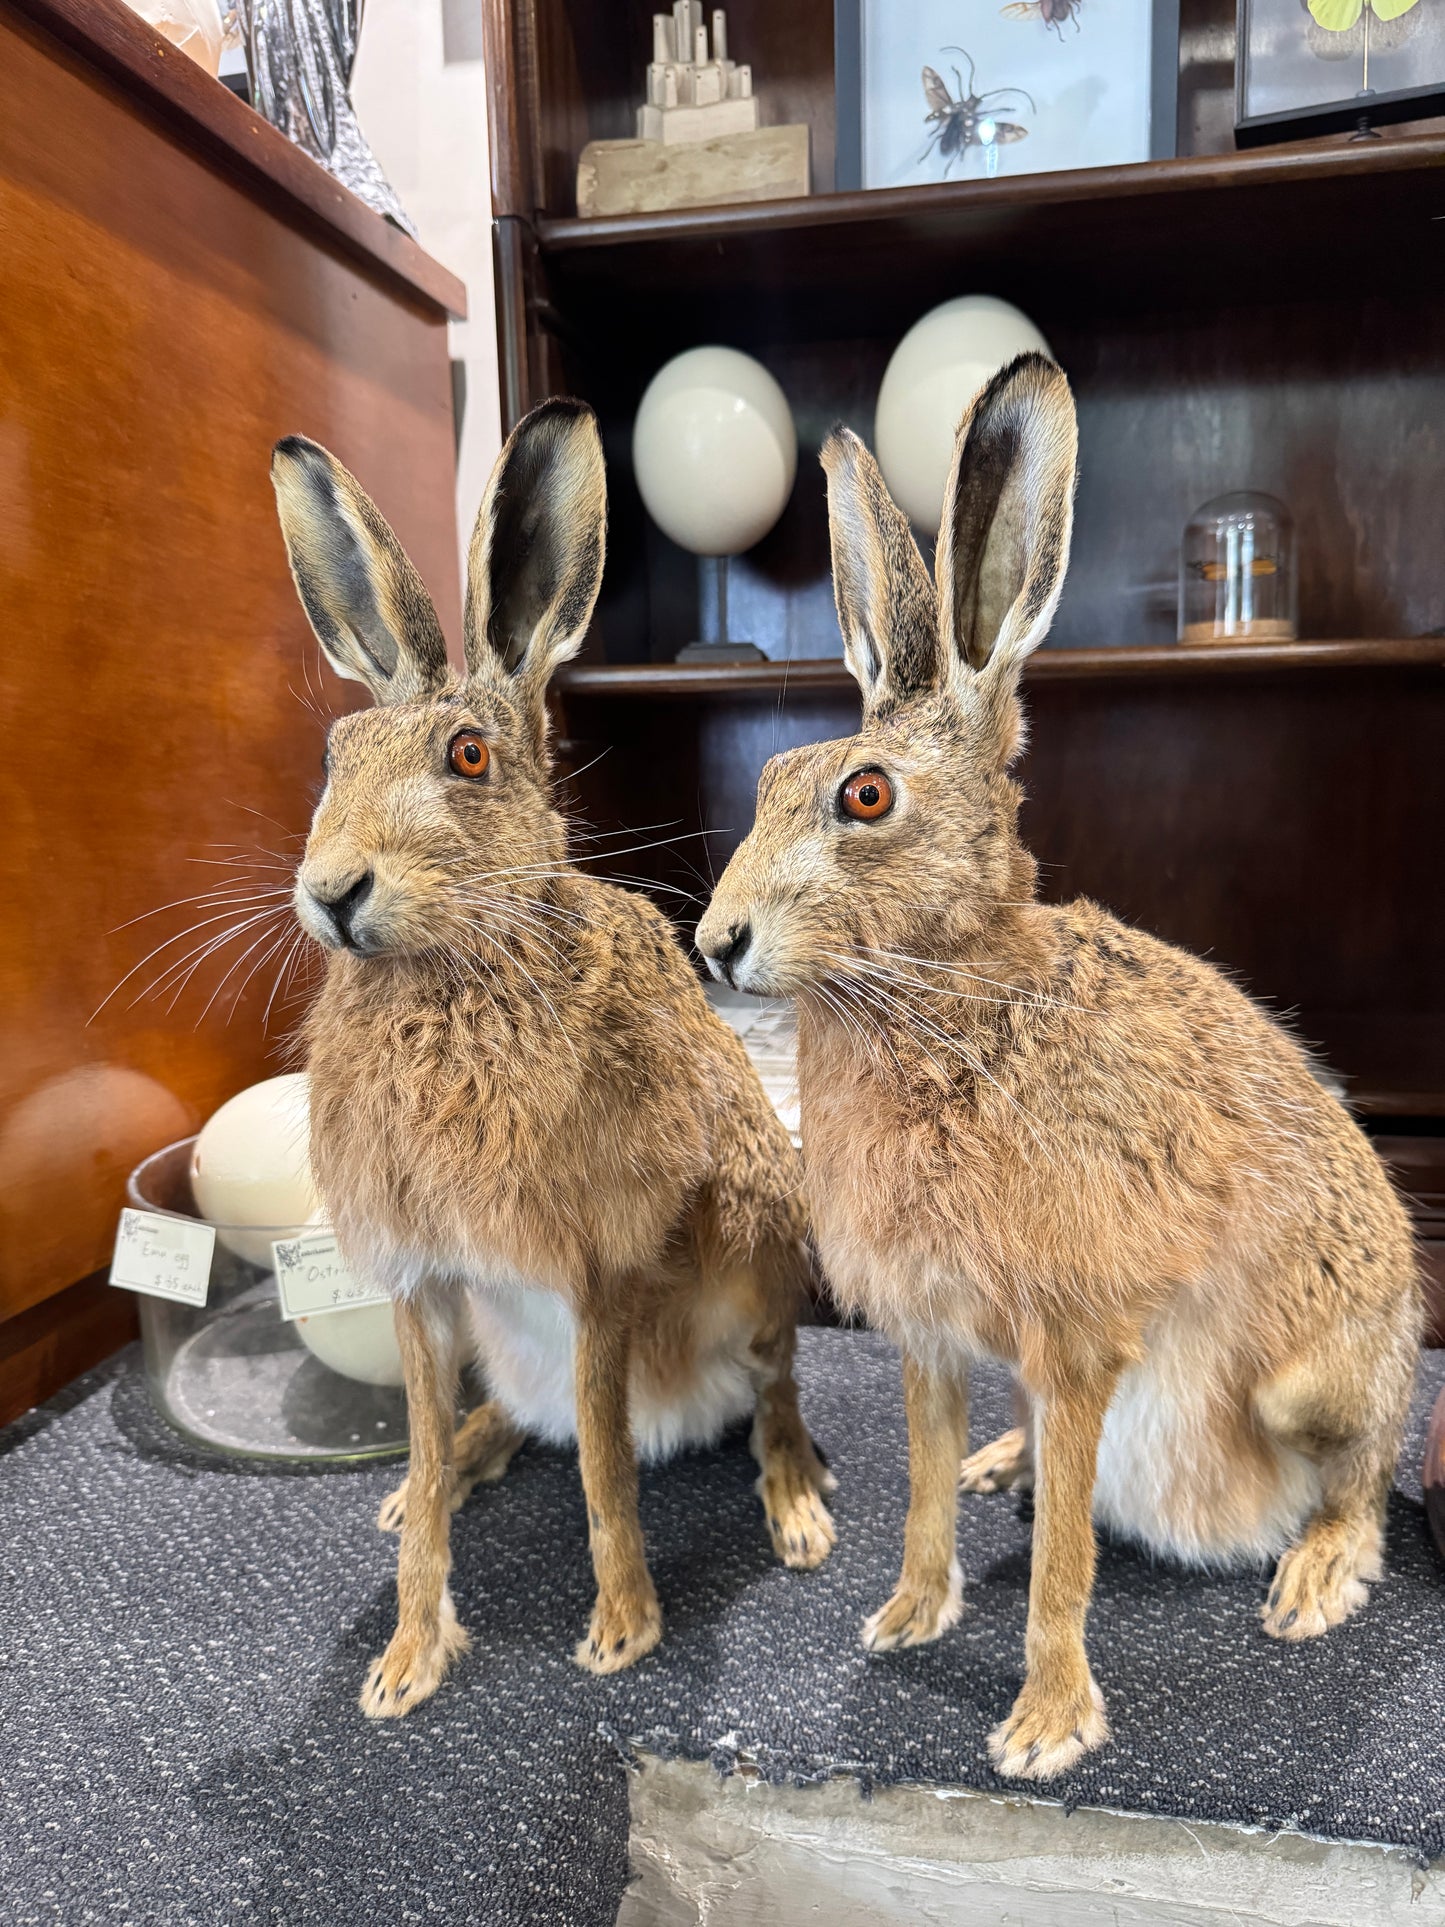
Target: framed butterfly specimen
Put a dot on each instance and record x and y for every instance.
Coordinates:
(1336, 66)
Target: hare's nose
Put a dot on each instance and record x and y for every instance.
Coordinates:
(341, 905)
(728, 952)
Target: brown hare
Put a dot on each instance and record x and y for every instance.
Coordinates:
(527, 1123)
(1032, 1132)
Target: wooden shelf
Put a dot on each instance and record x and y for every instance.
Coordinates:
(827, 674)
(1211, 228)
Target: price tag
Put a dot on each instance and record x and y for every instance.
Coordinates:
(312, 1277)
(163, 1257)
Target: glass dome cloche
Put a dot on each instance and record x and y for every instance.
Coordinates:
(1237, 575)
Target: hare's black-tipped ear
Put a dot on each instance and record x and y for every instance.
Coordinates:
(886, 606)
(366, 602)
(535, 562)
(1003, 544)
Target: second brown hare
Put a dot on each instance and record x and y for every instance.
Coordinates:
(526, 1121)
(1035, 1133)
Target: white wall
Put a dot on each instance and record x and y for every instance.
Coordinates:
(426, 119)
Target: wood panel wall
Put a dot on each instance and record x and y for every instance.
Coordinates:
(165, 319)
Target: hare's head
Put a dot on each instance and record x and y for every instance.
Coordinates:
(436, 822)
(905, 836)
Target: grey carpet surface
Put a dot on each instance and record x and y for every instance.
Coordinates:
(182, 1641)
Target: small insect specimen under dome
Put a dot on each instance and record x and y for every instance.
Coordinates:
(1237, 579)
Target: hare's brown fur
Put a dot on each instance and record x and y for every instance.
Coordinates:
(1036, 1133)
(527, 1121)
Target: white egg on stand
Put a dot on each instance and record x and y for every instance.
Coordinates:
(934, 373)
(251, 1178)
(714, 450)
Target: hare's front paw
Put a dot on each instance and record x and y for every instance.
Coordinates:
(623, 1628)
(799, 1524)
(412, 1667)
(912, 1616)
(1044, 1735)
(1005, 1465)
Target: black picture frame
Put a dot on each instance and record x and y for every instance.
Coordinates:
(1332, 117)
(848, 87)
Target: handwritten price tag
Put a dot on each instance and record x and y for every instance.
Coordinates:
(163, 1257)
(312, 1277)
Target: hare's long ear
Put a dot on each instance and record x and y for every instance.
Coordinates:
(366, 602)
(886, 605)
(1003, 544)
(535, 562)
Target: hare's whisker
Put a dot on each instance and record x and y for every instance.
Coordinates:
(512, 919)
(909, 1019)
(289, 836)
(177, 976)
(277, 939)
(490, 937)
(1020, 992)
(165, 944)
(227, 895)
(283, 973)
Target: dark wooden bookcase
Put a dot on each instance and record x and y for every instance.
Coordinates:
(1272, 320)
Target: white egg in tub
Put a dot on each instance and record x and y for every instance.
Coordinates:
(290, 1356)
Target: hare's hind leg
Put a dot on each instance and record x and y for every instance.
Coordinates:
(1324, 1576)
(428, 1636)
(792, 1479)
(481, 1452)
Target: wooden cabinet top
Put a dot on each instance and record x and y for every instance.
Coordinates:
(214, 123)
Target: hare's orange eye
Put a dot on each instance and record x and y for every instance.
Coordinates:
(469, 755)
(868, 795)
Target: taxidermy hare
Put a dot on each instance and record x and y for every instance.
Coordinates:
(1035, 1133)
(526, 1120)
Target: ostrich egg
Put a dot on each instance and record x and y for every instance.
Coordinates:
(714, 450)
(936, 370)
(359, 1343)
(252, 1166)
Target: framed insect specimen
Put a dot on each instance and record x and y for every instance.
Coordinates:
(1331, 66)
(931, 90)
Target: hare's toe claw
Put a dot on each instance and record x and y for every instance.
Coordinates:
(622, 1630)
(412, 1668)
(913, 1618)
(1043, 1736)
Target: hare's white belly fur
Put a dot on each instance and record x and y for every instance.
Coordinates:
(1168, 1477)
(1179, 1470)
(525, 1337)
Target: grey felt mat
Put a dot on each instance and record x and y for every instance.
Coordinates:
(181, 1643)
